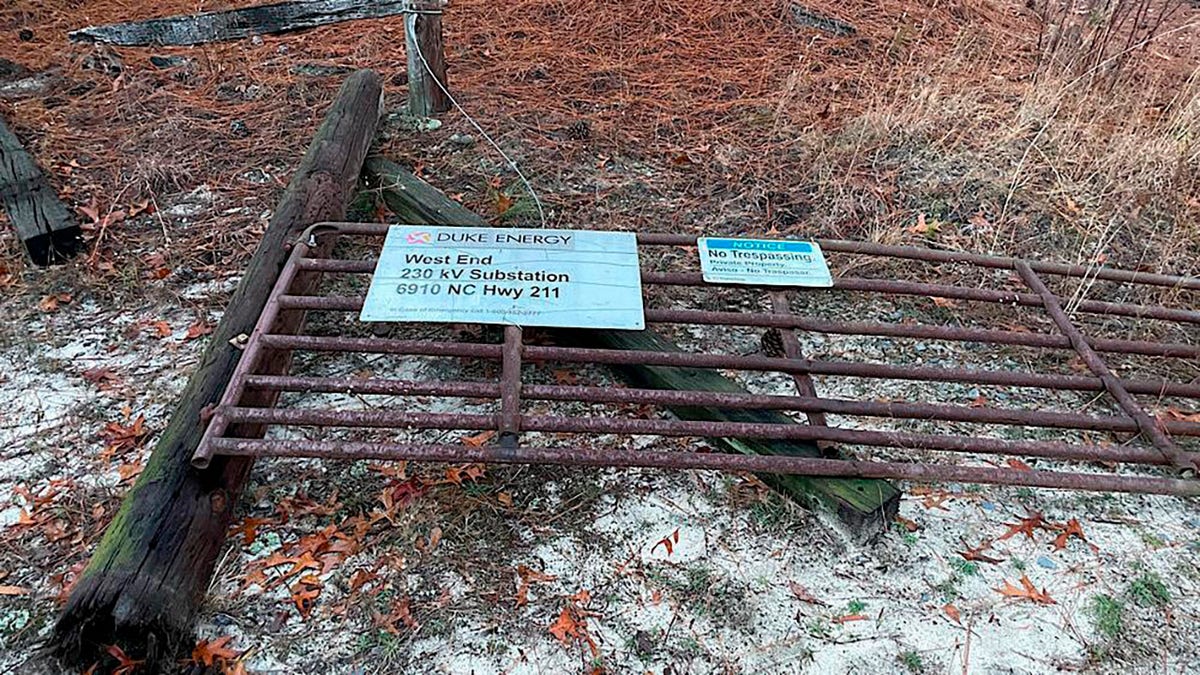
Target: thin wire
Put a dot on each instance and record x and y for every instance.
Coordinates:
(411, 29)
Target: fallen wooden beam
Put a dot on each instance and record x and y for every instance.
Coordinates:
(43, 223)
(145, 579)
(235, 24)
(866, 506)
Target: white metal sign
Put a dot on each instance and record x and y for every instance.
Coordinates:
(562, 278)
(763, 262)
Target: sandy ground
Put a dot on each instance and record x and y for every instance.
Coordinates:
(539, 570)
(415, 571)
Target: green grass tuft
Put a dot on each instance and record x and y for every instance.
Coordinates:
(1108, 613)
(1149, 590)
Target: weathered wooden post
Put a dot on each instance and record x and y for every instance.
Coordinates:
(43, 224)
(149, 572)
(427, 86)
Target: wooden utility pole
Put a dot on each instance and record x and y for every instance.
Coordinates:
(149, 572)
(426, 61)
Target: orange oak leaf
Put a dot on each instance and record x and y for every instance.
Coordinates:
(977, 554)
(125, 665)
(1027, 591)
(1018, 464)
(667, 542)
(197, 329)
(479, 440)
(1071, 529)
(527, 576)
(213, 652)
(1028, 524)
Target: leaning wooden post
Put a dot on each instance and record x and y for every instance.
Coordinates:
(426, 60)
(145, 580)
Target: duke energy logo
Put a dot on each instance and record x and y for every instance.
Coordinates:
(419, 238)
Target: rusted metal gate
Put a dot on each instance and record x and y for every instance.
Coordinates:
(1133, 447)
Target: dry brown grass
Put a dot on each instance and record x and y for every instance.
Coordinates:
(1055, 164)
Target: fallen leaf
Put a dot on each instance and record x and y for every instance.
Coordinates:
(120, 437)
(50, 303)
(977, 555)
(503, 203)
(946, 303)
(125, 665)
(907, 524)
(667, 542)
(936, 500)
(1071, 529)
(361, 578)
(1018, 464)
(144, 206)
(566, 377)
(1027, 525)
(1173, 413)
(505, 499)
(979, 221)
(248, 528)
(849, 617)
(1027, 591)
(527, 576)
(99, 376)
(305, 594)
(161, 328)
(402, 612)
(457, 474)
(924, 226)
(212, 653)
(197, 329)
(14, 590)
(803, 595)
(92, 211)
(565, 626)
(129, 470)
(952, 612)
(480, 439)
(979, 401)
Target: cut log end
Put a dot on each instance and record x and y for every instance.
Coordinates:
(53, 247)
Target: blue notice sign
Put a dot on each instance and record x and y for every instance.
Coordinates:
(763, 262)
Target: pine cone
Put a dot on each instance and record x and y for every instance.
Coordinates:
(580, 130)
(772, 343)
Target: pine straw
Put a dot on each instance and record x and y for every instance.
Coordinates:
(744, 116)
(681, 71)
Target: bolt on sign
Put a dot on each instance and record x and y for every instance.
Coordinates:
(524, 277)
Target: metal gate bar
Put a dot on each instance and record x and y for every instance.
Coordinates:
(868, 328)
(1159, 387)
(884, 286)
(510, 391)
